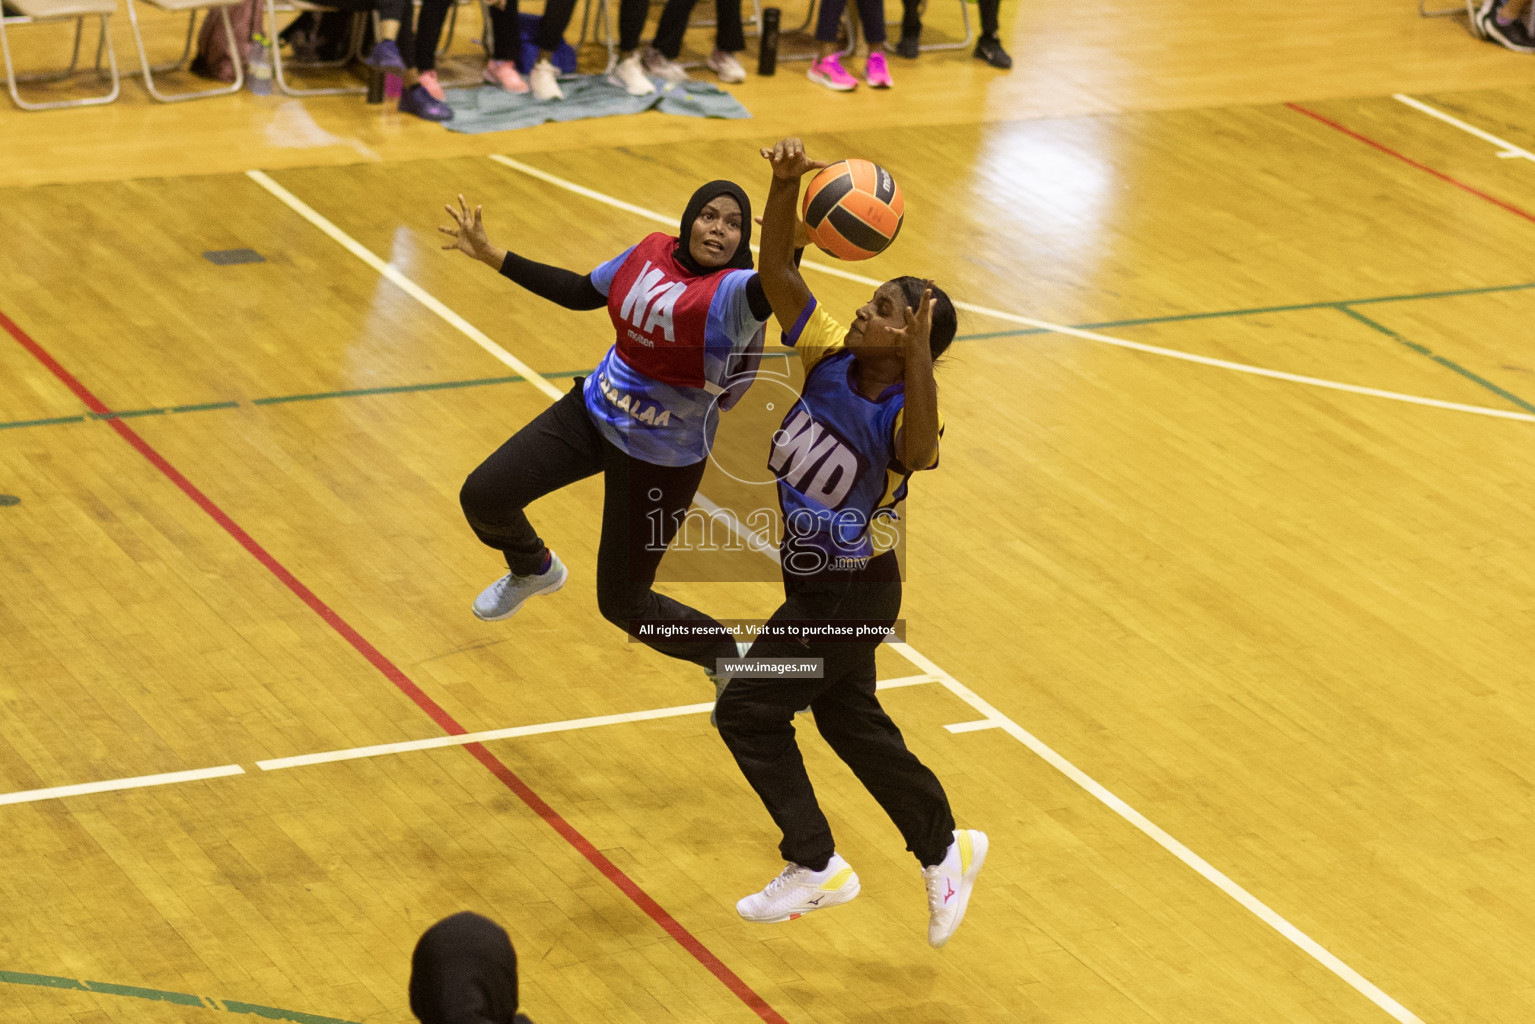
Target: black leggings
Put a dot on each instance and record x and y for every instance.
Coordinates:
(560, 446)
(504, 30)
(728, 34)
(756, 720)
(557, 15)
(870, 12)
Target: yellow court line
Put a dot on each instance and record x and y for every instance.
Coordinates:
(1054, 328)
(1097, 790)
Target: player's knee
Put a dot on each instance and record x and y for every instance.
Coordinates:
(621, 605)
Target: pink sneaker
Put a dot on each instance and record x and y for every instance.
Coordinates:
(503, 74)
(428, 80)
(828, 71)
(877, 71)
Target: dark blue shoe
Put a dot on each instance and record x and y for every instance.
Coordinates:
(385, 56)
(419, 102)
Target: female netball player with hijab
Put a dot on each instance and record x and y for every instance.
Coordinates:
(866, 418)
(688, 313)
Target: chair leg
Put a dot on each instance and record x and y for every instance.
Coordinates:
(104, 39)
(279, 76)
(149, 81)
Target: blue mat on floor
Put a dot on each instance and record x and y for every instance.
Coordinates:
(488, 109)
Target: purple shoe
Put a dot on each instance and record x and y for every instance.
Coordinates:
(385, 56)
(419, 102)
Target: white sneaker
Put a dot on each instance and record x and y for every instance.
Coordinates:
(725, 65)
(798, 891)
(659, 64)
(502, 598)
(949, 884)
(630, 75)
(542, 81)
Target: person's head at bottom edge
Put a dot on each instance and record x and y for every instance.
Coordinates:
(464, 971)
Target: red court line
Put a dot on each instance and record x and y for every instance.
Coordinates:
(1511, 208)
(524, 792)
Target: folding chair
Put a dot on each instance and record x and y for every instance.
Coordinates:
(191, 7)
(964, 13)
(749, 27)
(33, 12)
(353, 49)
(447, 30)
(849, 18)
(608, 38)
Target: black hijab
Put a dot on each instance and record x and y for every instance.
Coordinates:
(464, 971)
(742, 260)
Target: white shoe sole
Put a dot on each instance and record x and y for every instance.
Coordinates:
(842, 896)
(548, 588)
(979, 845)
(828, 83)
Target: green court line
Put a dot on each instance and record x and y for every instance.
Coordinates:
(43, 423)
(398, 389)
(161, 996)
(204, 407)
(1441, 360)
(1254, 311)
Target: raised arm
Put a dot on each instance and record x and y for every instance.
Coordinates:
(558, 285)
(917, 441)
(785, 289)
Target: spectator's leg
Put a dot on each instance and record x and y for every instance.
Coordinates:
(989, 46)
(631, 24)
(506, 44)
(872, 14)
(434, 13)
(729, 37)
(989, 18)
(672, 26)
(552, 26)
(506, 32)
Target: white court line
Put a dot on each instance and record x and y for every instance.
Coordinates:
(137, 782)
(382, 749)
(410, 287)
(1045, 325)
(570, 725)
(1134, 817)
(1506, 149)
(985, 723)
(1260, 909)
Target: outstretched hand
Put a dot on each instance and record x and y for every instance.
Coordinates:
(789, 159)
(468, 232)
(919, 323)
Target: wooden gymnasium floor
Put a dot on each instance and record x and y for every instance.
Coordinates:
(1254, 641)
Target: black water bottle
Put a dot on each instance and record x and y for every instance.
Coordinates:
(767, 51)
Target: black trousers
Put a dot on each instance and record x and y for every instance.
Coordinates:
(422, 53)
(557, 15)
(728, 33)
(870, 12)
(911, 17)
(756, 720)
(643, 505)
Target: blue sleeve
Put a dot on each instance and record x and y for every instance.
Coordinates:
(602, 277)
(731, 309)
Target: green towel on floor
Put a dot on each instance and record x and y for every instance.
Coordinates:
(488, 109)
